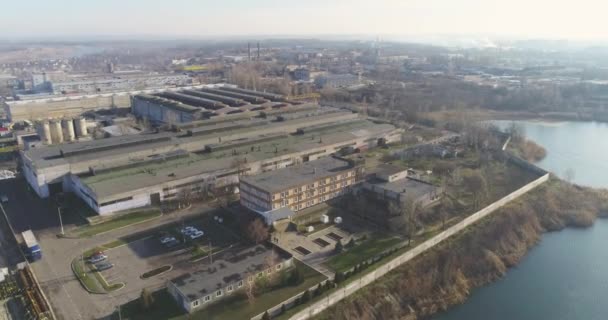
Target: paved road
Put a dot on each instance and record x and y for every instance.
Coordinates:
(68, 298)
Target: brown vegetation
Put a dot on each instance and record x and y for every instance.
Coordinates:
(445, 276)
(531, 151)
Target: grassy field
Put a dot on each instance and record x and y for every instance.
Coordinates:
(85, 278)
(92, 280)
(366, 250)
(235, 307)
(119, 222)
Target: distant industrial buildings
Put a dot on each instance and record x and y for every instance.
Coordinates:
(106, 83)
(279, 194)
(124, 172)
(205, 102)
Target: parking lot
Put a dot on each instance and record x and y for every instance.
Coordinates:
(184, 254)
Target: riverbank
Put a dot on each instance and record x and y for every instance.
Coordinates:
(445, 276)
(488, 115)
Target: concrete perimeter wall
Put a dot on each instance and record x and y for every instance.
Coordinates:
(366, 279)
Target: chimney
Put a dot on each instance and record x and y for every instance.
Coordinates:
(258, 51)
(249, 51)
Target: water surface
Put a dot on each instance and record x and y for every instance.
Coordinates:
(565, 277)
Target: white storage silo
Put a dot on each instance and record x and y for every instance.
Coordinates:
(81, 127)
(44, 131)
(68, 129)
(56, 131)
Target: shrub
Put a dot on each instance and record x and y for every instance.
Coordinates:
(283, 308)
(266, 316)
(295, 277)
(306, 297)
(339, 248)
(350, 243)
(317, 291)
(339, 277)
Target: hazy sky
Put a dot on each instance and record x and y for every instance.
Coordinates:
(581, 19)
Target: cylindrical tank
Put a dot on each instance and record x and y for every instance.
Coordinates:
(68, 129)
(81, 127)
(44, 131)
(56, 131)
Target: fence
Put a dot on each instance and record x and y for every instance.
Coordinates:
(364, 280)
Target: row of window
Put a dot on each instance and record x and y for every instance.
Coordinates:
(312, 186)
(332, 189)
(219, 293)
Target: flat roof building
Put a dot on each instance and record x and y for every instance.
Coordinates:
(229, 273)
(125, 172)
(278, 194)
(201, 103)
(392, 183)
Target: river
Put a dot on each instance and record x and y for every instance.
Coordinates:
(564, 277)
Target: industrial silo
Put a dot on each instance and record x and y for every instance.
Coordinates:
(44, 131)
(81, 127)
(56, 131)
(68, 129)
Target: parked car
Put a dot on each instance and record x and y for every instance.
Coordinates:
(167, 239)
(103, 266)
(185, 231)
(97, 258)
(171, 244)
(196, 235)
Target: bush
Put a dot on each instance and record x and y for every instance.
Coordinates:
(295, 277)
(283, 308)
(266, 316)
(317, 291)
(339, 248)
(339, 277)
(350, 243)
(306, 296)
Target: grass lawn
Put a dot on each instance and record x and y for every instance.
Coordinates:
(366, 250)
(85, 278)
(236, 307)
(121, 221)
(92, 280)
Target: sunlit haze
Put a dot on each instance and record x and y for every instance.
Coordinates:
(583, 19)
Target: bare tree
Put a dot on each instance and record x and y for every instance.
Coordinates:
(257, 231)
(409, 211)
(476, 183)
(250, 287)
(240, 164)
(184, 196)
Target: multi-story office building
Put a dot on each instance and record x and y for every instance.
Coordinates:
(279, 194)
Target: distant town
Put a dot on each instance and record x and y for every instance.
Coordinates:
(261, 179)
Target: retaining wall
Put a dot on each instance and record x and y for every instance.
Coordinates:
(363, 281)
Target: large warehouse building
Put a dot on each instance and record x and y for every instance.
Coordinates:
(202, 103)
(126, 172)
(58, 106)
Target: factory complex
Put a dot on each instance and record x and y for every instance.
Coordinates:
(131, 171)
(202, 103)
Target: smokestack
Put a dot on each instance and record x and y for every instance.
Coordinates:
(249, 51)
(258, 51)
